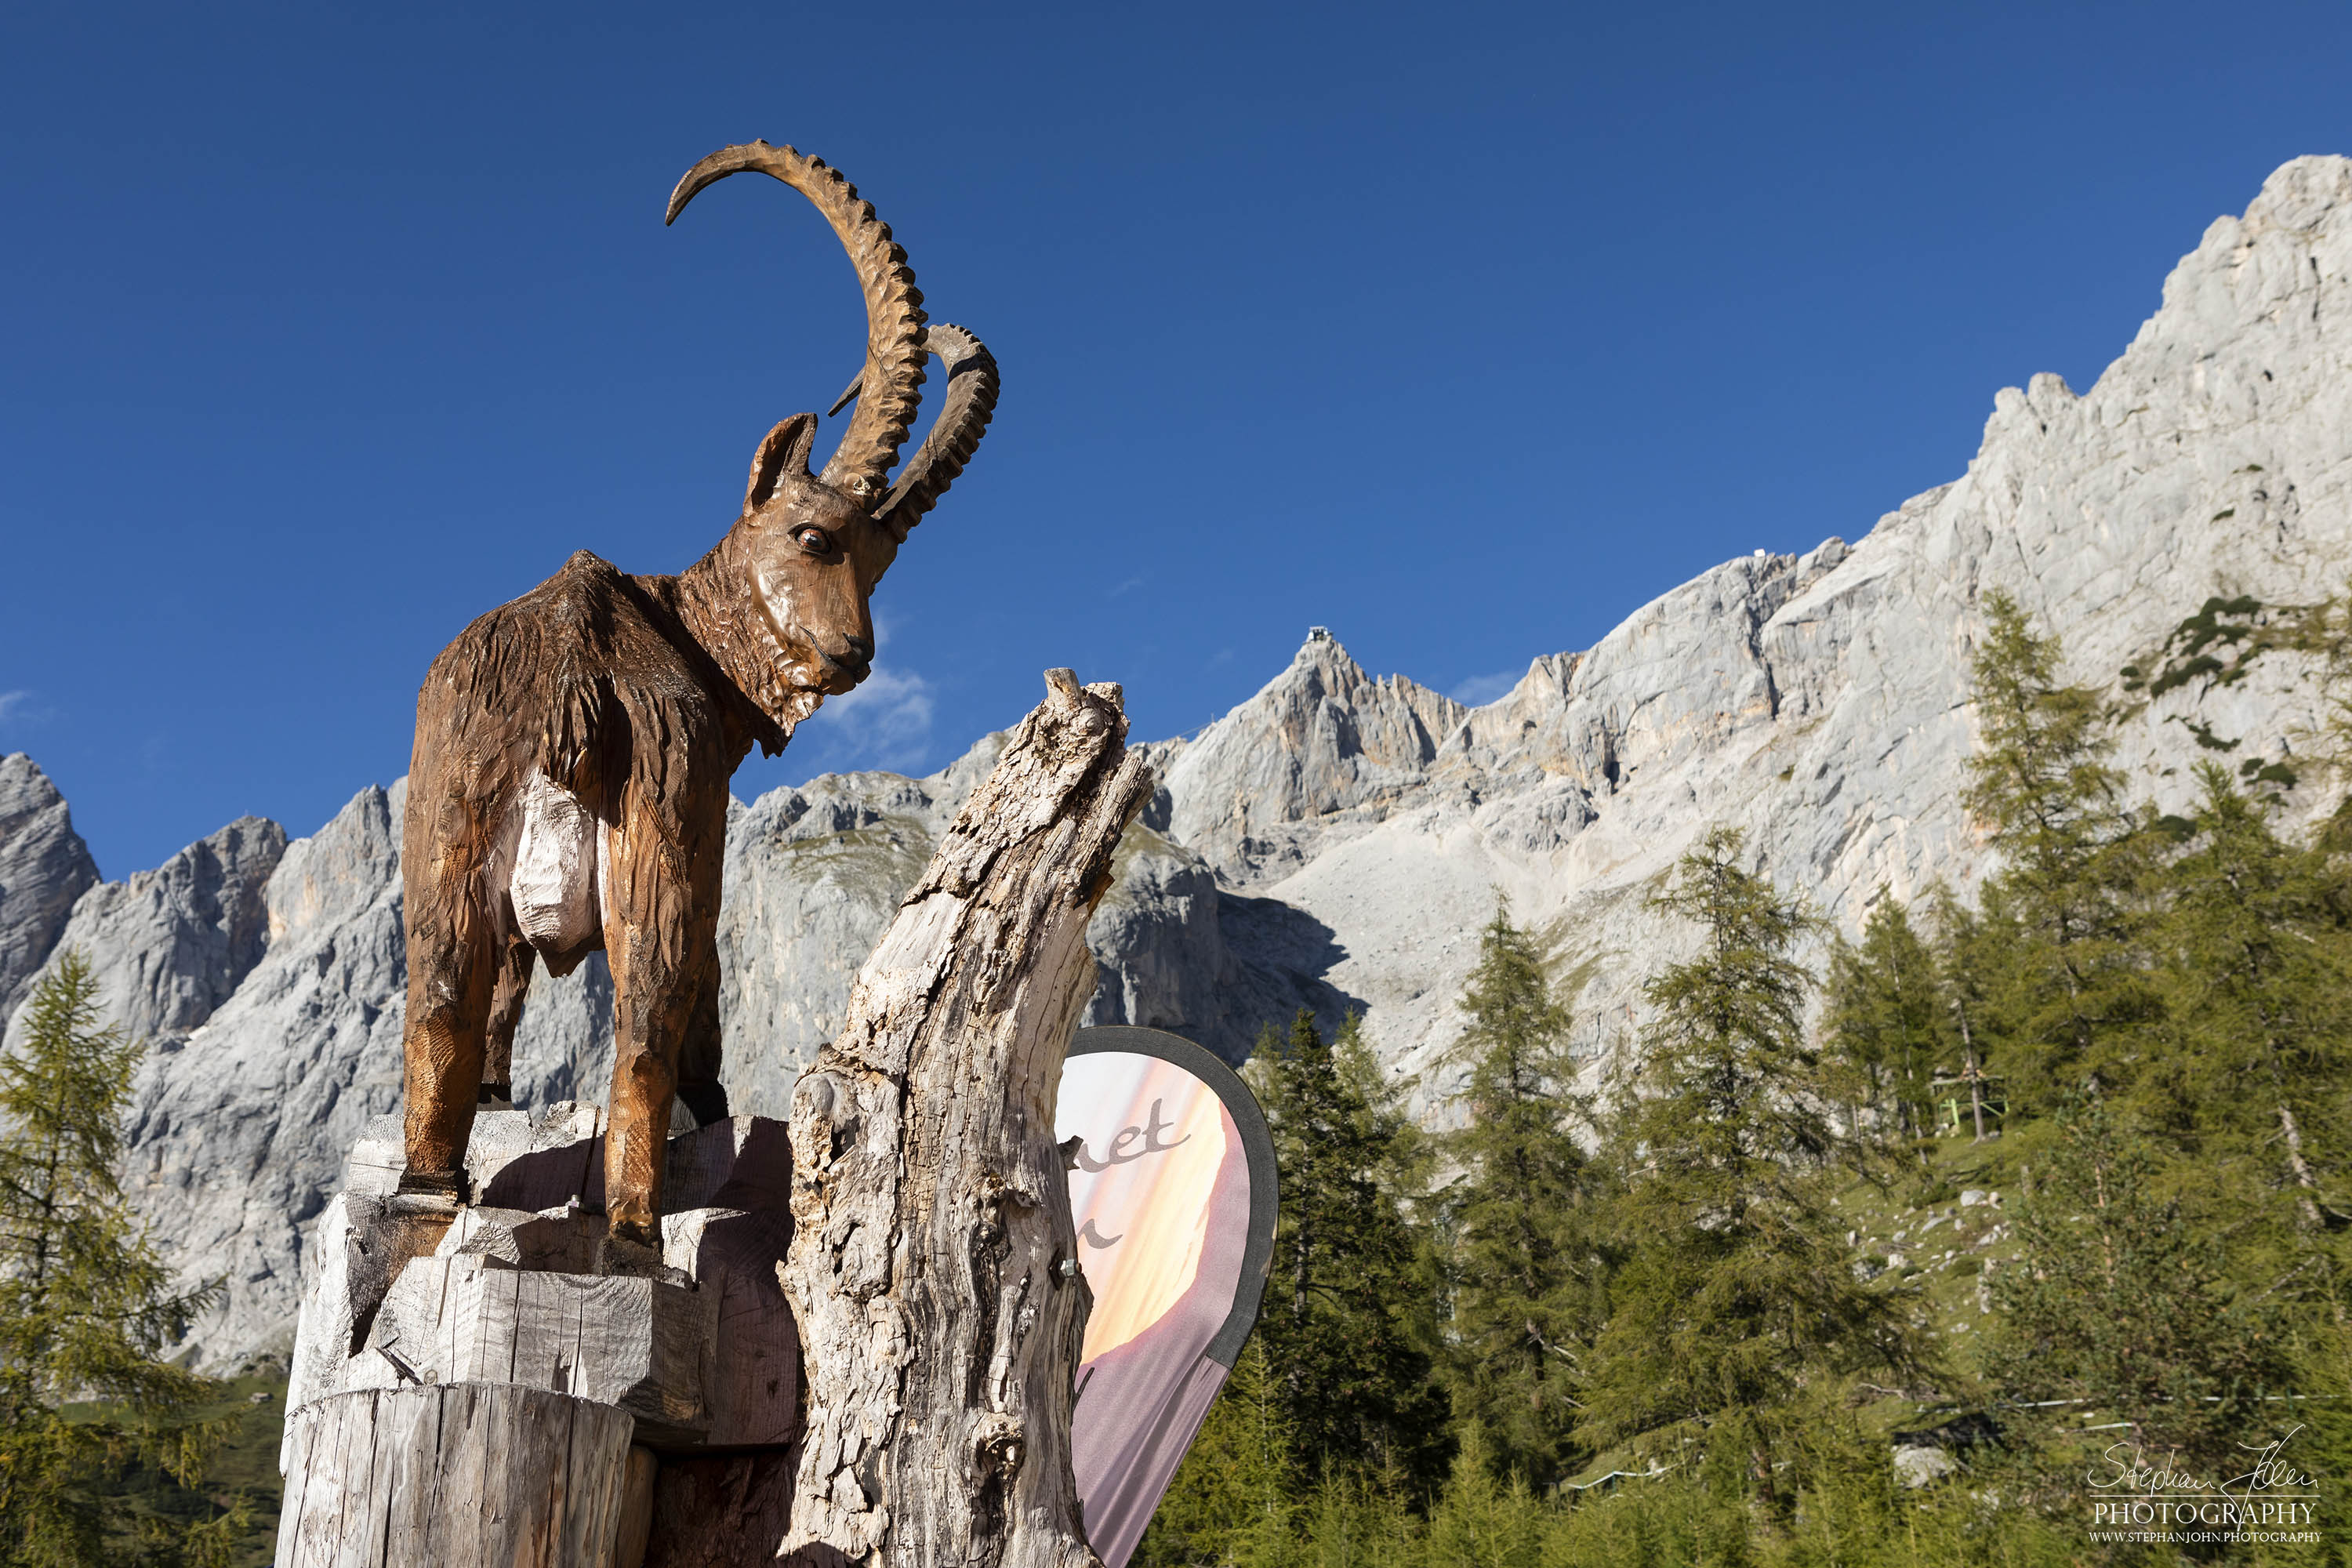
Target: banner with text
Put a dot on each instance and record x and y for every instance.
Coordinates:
(1172, 1192)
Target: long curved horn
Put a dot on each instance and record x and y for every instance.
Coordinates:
(955, 434)
(894, 308)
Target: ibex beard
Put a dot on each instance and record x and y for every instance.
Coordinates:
(570, 782)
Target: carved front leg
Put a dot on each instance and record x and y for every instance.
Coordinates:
(450, 975)
(661, 922)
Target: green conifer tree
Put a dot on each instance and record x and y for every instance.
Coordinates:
(87, 1307)
(1346, 1294)
(1737, 1291)
(1887, 1021)
(1238, 1489)
(2114, 1300)
(1524, 1265)
(1968, 963)
(2073, 862)
(2256, 967)
(1479, 1521)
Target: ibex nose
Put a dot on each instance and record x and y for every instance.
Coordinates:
(851, 665)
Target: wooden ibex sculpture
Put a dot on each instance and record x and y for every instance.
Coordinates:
(570, 783)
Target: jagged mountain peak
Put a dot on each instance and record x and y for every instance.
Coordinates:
(45, 867)
(1819, 700)
(1321, 744)
(205, 907)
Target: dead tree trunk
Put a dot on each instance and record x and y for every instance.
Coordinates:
(932, 1268)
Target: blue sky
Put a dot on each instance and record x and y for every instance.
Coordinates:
(1461, 330)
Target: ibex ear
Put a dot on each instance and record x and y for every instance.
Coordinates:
(784, 452)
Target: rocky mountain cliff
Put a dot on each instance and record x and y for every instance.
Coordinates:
(1336, 841)
(44, 867)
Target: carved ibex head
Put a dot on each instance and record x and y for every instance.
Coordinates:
(809, 548)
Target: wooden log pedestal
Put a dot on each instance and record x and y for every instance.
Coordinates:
(506, 1405)
(465, 1473)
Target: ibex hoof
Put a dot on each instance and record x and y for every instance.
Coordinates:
(628, 1252)
(428, 1192)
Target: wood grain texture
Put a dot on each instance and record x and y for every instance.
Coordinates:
(641, 1345)
(753, 1379)
(732, 1184)
(635, 1532)
(461, 1476)
(931, 1210)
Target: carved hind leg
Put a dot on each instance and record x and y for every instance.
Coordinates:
(699, 1089)
(513, 983)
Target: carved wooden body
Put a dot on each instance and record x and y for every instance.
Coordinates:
(568, 787)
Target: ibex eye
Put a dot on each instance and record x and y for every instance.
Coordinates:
(814, 541)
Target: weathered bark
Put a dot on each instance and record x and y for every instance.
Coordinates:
(933, 1267)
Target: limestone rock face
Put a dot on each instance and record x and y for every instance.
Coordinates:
(167, 947)
(44, 867)
(1322, 753)
(813, 875)
(1178, 952)
(239, 1129)
(1336, 841)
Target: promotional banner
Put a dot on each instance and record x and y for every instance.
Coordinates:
(1172, 1192)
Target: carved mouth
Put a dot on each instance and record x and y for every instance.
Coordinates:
(841, 677)
(821, 672)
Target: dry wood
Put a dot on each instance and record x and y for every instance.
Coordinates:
(462, 1476)
(752, 1379)
(933, 1265)
(636, 1525)
(640, 1344)
(507, 1301)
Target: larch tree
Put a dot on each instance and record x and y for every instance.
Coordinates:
(2075, 860)
(1737, 1299)
(88, 1309)
(2116, 1299)
(2254, 963)
(1886, 1029)
(1967, 963)
(1346, 1294)
(1526, 1266)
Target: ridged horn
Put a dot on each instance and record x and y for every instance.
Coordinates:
(894, 306)
(954, 435)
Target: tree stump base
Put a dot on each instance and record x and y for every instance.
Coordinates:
(462, 1476)
(496, 1401)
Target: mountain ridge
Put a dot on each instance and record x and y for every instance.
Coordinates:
(1335, 840)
